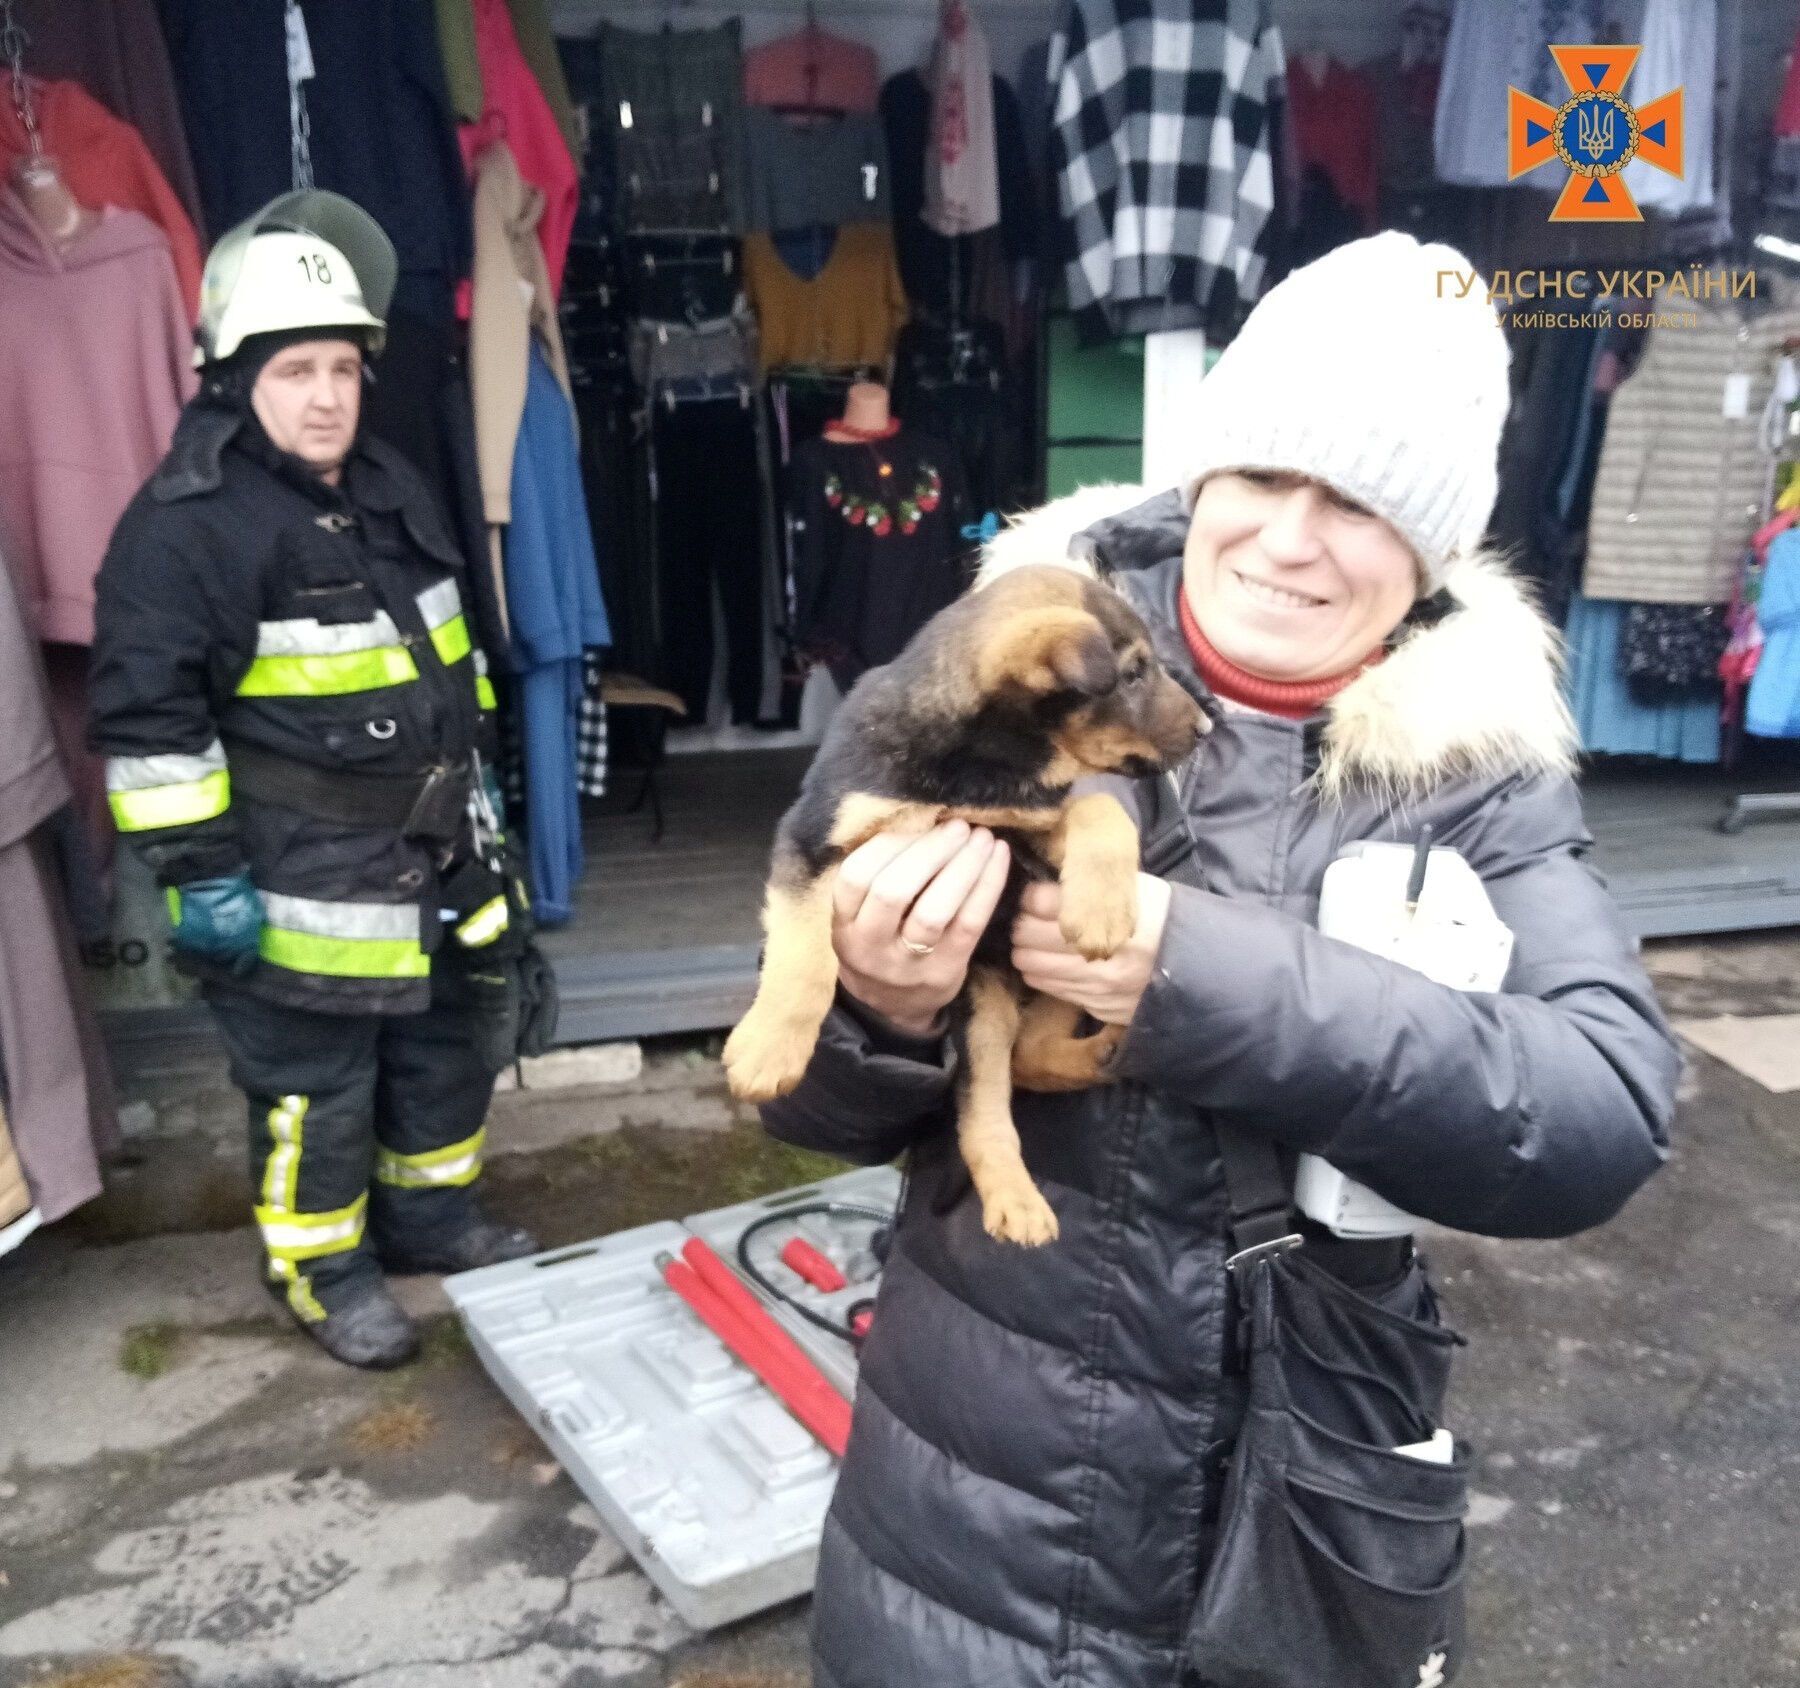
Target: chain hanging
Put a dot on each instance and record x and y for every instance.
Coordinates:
(299, 122)
(13, 41)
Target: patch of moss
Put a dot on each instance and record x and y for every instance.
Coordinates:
(442, 1342)
(147, 1351)
(640, 1174)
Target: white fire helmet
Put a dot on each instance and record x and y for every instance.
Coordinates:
(306, 260)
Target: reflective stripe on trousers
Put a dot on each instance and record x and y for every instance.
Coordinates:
(174, 789)
(455, 1163)
(289, 1237)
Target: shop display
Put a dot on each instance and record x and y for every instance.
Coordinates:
(651, 263)
(1146, 90)
(878, 512)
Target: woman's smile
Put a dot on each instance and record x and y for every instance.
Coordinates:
(1277, 597)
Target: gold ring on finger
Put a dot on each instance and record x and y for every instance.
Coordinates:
(916, 949)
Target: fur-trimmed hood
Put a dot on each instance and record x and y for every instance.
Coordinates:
(1470, 689)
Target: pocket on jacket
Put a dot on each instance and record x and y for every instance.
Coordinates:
(1332, 1587)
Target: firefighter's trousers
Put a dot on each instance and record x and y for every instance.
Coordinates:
(365, 1137)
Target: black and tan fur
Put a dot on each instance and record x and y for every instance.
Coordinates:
(990, 714)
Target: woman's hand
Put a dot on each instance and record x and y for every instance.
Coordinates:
(907, 913)
(1109, 990)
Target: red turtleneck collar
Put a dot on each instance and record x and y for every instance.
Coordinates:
(1292, 700)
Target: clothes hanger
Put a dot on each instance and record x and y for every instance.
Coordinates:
(37, 177)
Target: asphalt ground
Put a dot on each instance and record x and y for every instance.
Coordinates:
(191, 1497)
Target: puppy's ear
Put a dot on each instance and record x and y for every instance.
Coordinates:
(1056, 649)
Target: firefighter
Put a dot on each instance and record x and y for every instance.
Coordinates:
(292, 711)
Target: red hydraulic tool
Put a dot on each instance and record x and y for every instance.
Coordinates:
(733, 1314)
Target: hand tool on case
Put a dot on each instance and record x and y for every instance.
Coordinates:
(734, 1315)
(801, 1258)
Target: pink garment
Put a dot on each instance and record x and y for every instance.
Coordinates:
(813, 68)
(517, 112)
(96, 360)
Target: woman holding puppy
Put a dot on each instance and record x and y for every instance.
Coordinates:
(1033, 1488)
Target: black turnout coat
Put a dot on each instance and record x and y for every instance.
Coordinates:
(1032, 1484)
(246, 605)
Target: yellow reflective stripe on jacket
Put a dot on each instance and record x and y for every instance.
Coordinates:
(484, 925)
(484, 687)
(328, 676)
(281, 1171)
(452, 641)
(306, 1236)
(171, 805)
(441, 608)
(171, 789)
(343, 940)
(456, 1163)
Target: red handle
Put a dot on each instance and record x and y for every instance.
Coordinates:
(800, 1256)
(764, 1347)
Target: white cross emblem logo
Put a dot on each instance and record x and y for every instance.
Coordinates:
(1431, 1673)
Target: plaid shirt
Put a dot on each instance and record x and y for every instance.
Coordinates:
(1163, 134)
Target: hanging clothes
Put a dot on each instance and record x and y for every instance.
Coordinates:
(845, 315)
(709, 506)
(96, 360)
(458, 39)
(517, 112)
(15, 1194)
(513, 307)
(1333, 108)
(1610, 718)
(557, 616)
(61, 1112)
(1685, 468)
(1772, 709)
(1679, 50)
(1490, 47)
(381, 129)
(812, 68)
(1162, 136)
(672, 105)
(879, 546)
(962, 179)
(964, 276)
(832, 172)
(104, 161)
(115, 50)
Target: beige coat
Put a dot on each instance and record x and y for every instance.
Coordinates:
(511, 303)
(1681, 483)
(15, 1198)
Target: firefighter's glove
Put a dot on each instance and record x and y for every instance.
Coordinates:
(218, 920)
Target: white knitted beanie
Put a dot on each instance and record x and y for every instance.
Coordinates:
(1365, 371)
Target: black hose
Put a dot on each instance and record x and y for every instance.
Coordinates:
(843, 1210)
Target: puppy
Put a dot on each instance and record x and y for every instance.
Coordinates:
(992, 712)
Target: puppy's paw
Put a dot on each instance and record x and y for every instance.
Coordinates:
(1099, 913)
(1013, 1211)
(767, 1055)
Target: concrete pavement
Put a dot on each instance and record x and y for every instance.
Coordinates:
(235, 1511)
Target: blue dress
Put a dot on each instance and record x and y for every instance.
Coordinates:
(553, 601)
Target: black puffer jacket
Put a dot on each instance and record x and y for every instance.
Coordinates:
(1033, 1478)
